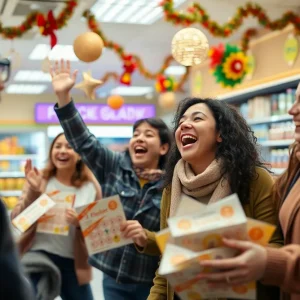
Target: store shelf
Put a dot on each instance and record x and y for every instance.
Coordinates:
(278, 171)
(273, 87)
(268, 120)
(10, 193)
(12, 174)
(276, 143)
(18, 157)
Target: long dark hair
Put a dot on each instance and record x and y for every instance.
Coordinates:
(238, 147)
(81, 175)
(164, 135)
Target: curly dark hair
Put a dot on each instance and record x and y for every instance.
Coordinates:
(238, 147)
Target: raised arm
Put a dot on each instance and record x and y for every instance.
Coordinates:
(97, 157)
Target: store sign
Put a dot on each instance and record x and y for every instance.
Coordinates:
(98, 113)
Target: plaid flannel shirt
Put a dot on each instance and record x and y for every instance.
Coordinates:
(114, 172)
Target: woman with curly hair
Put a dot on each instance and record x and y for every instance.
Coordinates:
(215, 155)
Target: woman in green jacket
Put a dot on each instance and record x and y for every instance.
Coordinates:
(215, 155)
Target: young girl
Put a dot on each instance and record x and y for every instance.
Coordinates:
(215, 155)
(279, 267)
(65, 172)
(135, 175)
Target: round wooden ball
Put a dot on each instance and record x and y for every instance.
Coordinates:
(88, 46)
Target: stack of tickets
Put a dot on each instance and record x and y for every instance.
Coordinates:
(195, 233)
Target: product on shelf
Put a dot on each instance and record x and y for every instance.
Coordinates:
(282, 131)
(10, 202)
(11, 184)
(279, 158)
(267, 106)
(10, 146)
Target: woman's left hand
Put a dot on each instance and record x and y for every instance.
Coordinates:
(248, 266)
(72, 217)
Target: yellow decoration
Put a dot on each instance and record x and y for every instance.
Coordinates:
(250, 65)
(88, 46)
(190, 47)
(167, 100)
(115, 102)
(291, 49)
(197, 84)
(236, 61)
(89, 85)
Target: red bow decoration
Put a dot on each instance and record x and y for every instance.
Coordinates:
(216, 55)
(48, 26)
(129, 66)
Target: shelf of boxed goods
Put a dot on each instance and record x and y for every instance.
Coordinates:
(16, 193)
(268, 120)
(273, 87)
(18, 157)
(276, 143)
(12, 174)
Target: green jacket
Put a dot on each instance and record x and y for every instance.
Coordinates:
(260, 207)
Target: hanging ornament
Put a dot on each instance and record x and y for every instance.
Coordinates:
(216, 55)
(232, 68)
(291, 49)
(165, 84)
(129, 66)
(190, 47)
(89, 85)
(167, 100)
(48, 26)
(88, 46)
(115, 102)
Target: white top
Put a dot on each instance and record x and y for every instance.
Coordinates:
(59, 244)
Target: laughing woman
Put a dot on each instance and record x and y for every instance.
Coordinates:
(215, 155)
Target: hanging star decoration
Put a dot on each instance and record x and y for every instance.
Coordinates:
(89, 85)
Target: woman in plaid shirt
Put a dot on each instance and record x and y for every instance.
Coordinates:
(135, 175)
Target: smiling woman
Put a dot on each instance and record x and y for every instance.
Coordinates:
(215, 155)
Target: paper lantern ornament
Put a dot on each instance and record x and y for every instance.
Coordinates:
(190, 47)
(88, 46)
(115, 102)
(89, 85)
(167, 100)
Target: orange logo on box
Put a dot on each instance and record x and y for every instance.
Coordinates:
(112, 205)
(256, 233)
(212, 241)
(22, 221)
(43, 202)
(177, 259)
(240, 289)
(184, 224)
(227, 211)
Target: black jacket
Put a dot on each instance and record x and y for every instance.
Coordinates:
(13, 285)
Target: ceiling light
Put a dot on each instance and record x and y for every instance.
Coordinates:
(131, 90)
(26, 88)
(28, 75)
(175, 70)
(129, 11)
(41, 51)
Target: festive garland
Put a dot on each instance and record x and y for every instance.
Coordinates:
(131, 61)
(197, 14)
(31, 20)
(229, 64)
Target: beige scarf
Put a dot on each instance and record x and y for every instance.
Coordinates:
(210, 182)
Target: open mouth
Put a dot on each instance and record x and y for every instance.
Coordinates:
(63, 159)
(140, 150)
(188, 139)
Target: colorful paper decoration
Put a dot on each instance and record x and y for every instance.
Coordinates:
(129, 66)
(232, 68)
(165, 84)
(115, 101)
(88, 46)
(189, 47)
(250, 65)
(291, 49)
(89, 85)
